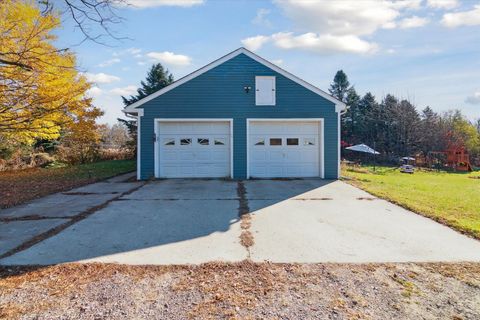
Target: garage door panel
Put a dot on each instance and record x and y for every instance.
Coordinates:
(275, 156)
(169, 155)
(185, 155)
(200, 149)
(293, 155)
(298, 154)
(222, 155)
(259, 155)
(203, 155)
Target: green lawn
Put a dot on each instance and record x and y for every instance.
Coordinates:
(22, 185)
(451, 198)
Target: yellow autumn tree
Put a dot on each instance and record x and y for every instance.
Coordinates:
(41, 92)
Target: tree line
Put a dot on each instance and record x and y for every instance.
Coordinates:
(395, 127)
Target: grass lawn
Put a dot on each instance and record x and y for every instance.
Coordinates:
(22, 185)
(451, 198)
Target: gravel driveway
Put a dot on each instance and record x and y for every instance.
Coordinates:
(243, 290)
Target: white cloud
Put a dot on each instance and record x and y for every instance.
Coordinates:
(130, 51)
(442, 4)
(260, 18)
(325, 43)
(462, 18)
(170, 58)
(125, 91)
(338, 26)
(255, 43)
(413, 22)
(161, 3)
(94, 92)
(109, 62)
(474, 99)
(389, 25)
(391, 51)
(349, 17)
(101, 77)
(134, 50)
(141, 63)
(277, 61)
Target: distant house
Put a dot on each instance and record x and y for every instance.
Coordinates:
(239, 117)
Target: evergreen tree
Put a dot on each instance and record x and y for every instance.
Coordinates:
(157, 78)
(407, 128)
(340, 86)
(431, 127)
(368, 119)
(351, 117)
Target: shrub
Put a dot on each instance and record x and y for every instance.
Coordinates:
(117, 154)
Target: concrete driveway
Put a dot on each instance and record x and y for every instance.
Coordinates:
(195, 221)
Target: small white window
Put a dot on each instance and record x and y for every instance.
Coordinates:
(309, 142)
(264, 91)
(203, 141)
(169, 142)
(185, 142)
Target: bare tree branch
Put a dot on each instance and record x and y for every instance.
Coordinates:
(94, 18)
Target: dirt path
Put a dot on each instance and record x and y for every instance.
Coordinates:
(242, 291)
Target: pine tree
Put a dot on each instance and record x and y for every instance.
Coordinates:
(340, 86)
(351, 117)
(157, 78)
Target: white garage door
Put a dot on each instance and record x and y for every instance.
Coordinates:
(284, 149)
(194, 149)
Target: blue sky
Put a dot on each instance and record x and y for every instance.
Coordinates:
(425, 50)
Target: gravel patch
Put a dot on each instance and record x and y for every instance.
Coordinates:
(242, 290)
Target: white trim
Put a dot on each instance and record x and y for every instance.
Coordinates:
(139, 145)
(339, 145)
(156, 131)
(339, 105)
(321, 121)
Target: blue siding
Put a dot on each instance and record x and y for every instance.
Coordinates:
(219, 93)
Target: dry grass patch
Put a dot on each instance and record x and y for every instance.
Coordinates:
(20, 186)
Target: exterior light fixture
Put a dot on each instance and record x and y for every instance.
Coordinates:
(247, 89)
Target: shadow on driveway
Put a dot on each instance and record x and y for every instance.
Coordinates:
(165, 221)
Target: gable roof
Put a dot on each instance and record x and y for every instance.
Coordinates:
(339, 105)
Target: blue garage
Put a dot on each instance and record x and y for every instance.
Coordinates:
(238, 117)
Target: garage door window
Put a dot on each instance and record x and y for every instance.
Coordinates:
(309, 142)
(203, 141)
(219, 142)
(292, 141)
(185, 142)
(260, 142)
(275, 141)
(169, 142)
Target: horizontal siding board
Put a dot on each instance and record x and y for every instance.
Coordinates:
(219, 93)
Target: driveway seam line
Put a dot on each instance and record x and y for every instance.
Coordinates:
(246, 237)
(72, 220)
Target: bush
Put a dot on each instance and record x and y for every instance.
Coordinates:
(117, 154)
(78, 153)
(20, 160)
